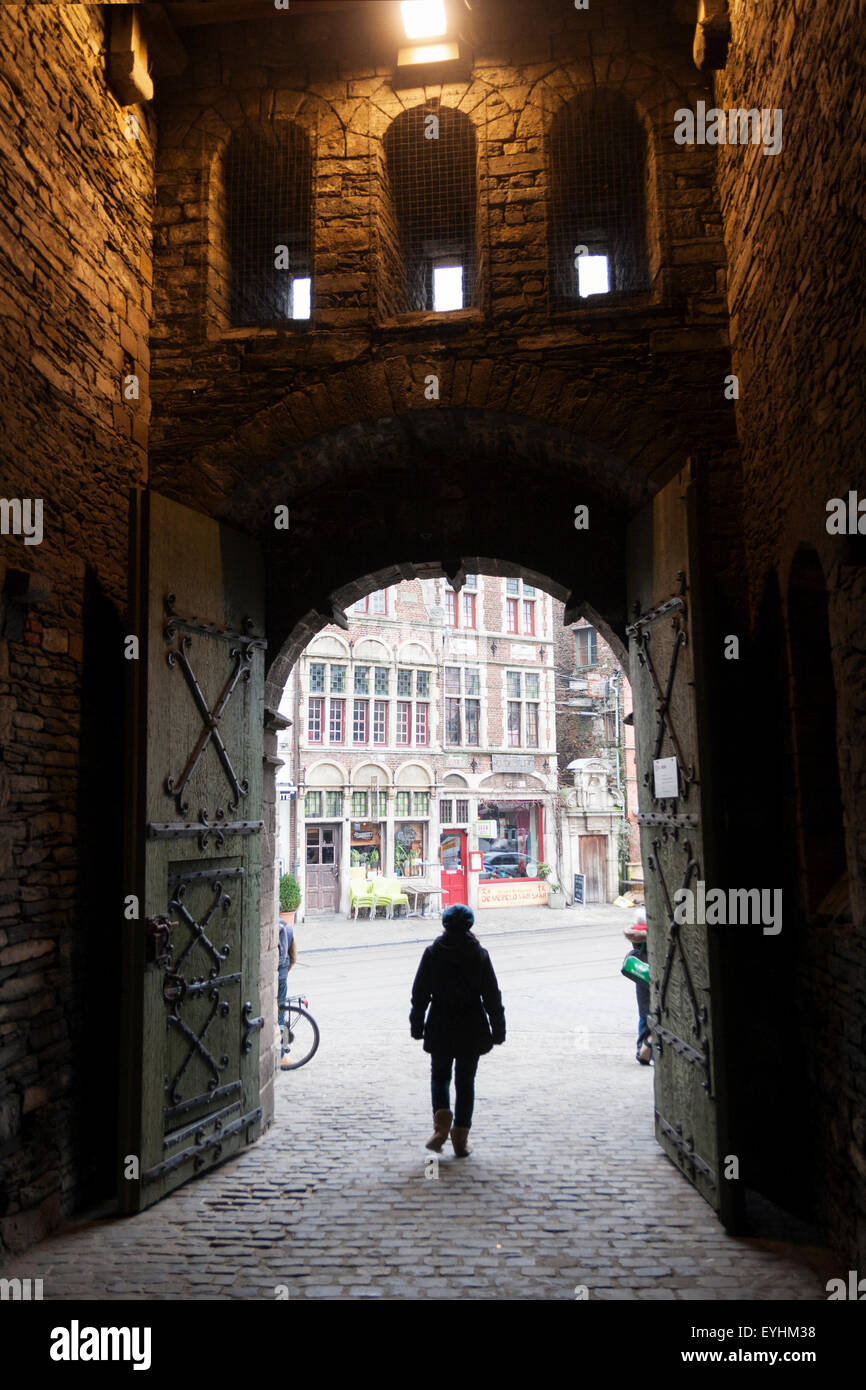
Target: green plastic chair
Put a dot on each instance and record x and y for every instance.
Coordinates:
(388, 893)
(361, 895)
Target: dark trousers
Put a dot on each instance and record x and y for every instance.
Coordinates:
(464, 1085)
(282, 996)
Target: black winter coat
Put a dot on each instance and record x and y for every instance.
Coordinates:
(457, 980)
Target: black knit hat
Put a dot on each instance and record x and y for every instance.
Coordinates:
(458, 918)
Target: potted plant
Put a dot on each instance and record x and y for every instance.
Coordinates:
(354, 858)
(544, 870)
(374, 860)
(290, 897)
(556, 896)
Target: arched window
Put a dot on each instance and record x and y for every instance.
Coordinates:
(816, 762)
(430, 161)
(268, 189)
(598, 199)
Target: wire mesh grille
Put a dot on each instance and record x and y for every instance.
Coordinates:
(268, 183)
(430, 157)
(597, 182)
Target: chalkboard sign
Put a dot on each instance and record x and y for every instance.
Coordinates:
(579, 888)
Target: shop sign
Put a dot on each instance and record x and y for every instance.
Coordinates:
(513, 893)
(486, 829)
(512, 762)
(521, 652)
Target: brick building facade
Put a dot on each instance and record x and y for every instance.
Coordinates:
(597, 768)
(432, 712)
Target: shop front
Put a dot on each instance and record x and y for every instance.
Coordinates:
(511, 841)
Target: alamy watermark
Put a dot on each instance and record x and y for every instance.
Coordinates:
(22, 516)
(735, 907)
(738, 126)
(77, 1343)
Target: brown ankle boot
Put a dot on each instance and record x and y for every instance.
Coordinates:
(460, 1140)
(441, 1125)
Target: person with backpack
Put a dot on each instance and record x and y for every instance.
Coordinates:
(465, 1020)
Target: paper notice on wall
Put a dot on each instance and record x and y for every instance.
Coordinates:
(665, 778)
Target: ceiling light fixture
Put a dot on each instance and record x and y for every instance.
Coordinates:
(424, 19)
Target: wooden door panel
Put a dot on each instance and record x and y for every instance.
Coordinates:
(663, 549)
(193, 841)
(593, 861)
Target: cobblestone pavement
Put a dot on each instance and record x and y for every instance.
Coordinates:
(566, 1186)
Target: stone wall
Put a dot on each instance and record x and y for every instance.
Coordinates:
(795, 278)
(536, 411)
(287, 385)
(75, 292)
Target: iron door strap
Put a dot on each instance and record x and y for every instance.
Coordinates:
(196, 1155)
(686, 820)
(243, 649)
(204, 828)
(685, 1147)
(675, 608)
(675, 945)
(662, 610)
(665, 1038)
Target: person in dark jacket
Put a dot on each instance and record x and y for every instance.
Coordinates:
(456, 979)
(637, 936)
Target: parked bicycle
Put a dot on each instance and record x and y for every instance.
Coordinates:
(299, 1034)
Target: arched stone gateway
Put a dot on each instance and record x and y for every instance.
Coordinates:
(291, 466)
(427, 493)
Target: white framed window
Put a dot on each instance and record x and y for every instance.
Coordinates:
(462, 706)
(521, 614)
(522, 693)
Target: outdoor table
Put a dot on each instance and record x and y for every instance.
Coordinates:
(420, 890)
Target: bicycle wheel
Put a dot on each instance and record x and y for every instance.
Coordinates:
(300, 1038)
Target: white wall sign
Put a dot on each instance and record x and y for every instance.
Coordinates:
(665, 778)
(512, 762)
(521, 652)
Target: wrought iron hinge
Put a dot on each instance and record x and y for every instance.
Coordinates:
(251, 1025)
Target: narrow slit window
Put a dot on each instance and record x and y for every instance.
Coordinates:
(598, 234)
(430, 157)
(268, 183)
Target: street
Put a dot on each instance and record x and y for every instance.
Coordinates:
(565, 1196)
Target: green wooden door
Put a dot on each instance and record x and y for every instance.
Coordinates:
(190, 1069)
(668, 619)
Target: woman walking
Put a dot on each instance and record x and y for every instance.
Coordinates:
(466, 1019)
